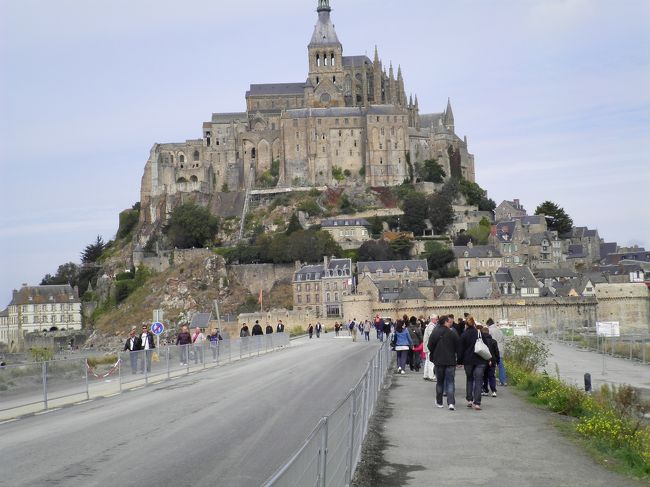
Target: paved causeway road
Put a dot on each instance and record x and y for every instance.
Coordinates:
(230, 426)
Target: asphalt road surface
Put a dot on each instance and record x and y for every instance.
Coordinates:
(230, 426)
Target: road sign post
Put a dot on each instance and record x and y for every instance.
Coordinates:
(157, 328)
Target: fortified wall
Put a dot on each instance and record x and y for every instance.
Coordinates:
(256, 277)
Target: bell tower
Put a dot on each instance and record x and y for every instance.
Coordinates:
(326, 73)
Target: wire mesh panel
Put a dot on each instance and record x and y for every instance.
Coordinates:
(66, 378)
(338, 444)
(21, 385)
(303, 470)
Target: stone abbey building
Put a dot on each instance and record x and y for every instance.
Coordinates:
(348, 116)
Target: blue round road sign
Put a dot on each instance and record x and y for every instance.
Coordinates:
(157, 328)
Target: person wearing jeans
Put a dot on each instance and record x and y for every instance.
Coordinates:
(443, 345)
(403, 343)
(474, 364)
(498, 335)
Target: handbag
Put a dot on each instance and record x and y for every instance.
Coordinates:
(481, 349)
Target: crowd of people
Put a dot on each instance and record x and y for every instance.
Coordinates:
(440, 345)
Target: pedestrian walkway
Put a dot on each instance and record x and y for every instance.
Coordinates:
(509, 443)
(573, 363)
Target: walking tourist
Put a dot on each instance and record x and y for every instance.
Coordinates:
(183, 340)
(443, 346)
(366, 330)
(215, 338)
(428, 364)
(147, 345)
(133, 345)
(403, 343)
(497, 334)
(198, 340)
(473, 363)
(489, 377)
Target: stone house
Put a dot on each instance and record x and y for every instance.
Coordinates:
(588, 239)
(508, 237)
(36, 308)
(474, 260)
(403, 270)
(319, 289)
(508, 210)
(517, 281)
(577, 287)
(349, 233)
(544, 251)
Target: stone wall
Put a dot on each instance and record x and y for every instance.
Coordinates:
(256, 277)
(163, 260)
(541, 313)
(627, 303)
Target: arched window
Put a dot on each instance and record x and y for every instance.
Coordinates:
(196, 155)
(333, 60)
(253, 153)
(181, 158)
(317, 60)
(325, 61)
(194, 179)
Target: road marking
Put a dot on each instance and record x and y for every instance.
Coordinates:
(114, 394)
(46, 411)
(8, 421)
(82, 402)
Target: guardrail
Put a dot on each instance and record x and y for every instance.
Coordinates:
(330, 454)
(39, 386)
(631, 347)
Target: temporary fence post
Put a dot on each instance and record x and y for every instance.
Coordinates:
(145, 367)
(167, 362)
(119, 371)
(44, 371)
(322, 470)
(86, 378)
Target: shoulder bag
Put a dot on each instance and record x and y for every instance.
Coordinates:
(481, 349)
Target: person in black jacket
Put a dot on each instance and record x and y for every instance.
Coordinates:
(489, 377)
(133, 345)
(443, 345)
(257, 329)
(147, 346)
(473, 363)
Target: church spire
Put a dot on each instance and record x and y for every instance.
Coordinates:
(449, 116)
(324, 5)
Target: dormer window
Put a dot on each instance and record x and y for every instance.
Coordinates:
(466, 253)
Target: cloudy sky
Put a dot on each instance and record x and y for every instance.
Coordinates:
(553, 95)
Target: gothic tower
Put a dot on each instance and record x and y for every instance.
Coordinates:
(326, 73)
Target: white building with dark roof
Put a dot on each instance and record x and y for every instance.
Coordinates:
(404, 270)
(477, 260)
(37, 308)
(349, 233)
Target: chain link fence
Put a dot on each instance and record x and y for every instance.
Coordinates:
(35, 386)
(329, 455)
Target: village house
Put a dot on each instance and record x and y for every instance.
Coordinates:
(517, 281)
(507, 210)
(477, 260)
(319, 288)
(404, 270)
(349, 233)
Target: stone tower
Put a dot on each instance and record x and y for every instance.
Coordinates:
(326, 72)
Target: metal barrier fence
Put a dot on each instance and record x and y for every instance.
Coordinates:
(44, 384)
(329, 455)
(632, 347)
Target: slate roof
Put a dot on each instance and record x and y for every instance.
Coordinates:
(386, 266)
(554, 274)
(576, 252)
(229, 117)
(516, 206)
(316, 272)
(410, 292)
(519, 276)
(476, 251)
(324, 32)
(45, 294)
(445, 289)
(335, 264)
(530, 219)
(276, 89)
(608, 248)
(201, 320)
(344, 222)
(577, 284)
(430, 119)
(4, 313)
(479, 289)
(384, 110)
(537, 238)
(356, 61)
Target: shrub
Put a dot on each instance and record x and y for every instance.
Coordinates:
(337, 173)
(102, 360)
(128, 221)
(529, 353)
(41, 354)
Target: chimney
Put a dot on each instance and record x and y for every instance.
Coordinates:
(517, 205)
(297, 265)
(324, 262)
(470, 244)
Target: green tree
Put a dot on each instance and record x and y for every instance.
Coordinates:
(93, 251)
(401, 247)
(65, 274)
(433, 172)
(191, 225)
(480, 234)
(440, 212)
(375, 250)
(128, 221)
(557, 219)
(475, 195)
(439, 256)
(294, 224)
(415, 212)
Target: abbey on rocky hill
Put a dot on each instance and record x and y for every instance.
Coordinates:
(349, 117)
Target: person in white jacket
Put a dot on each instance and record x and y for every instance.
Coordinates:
(428, 365)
